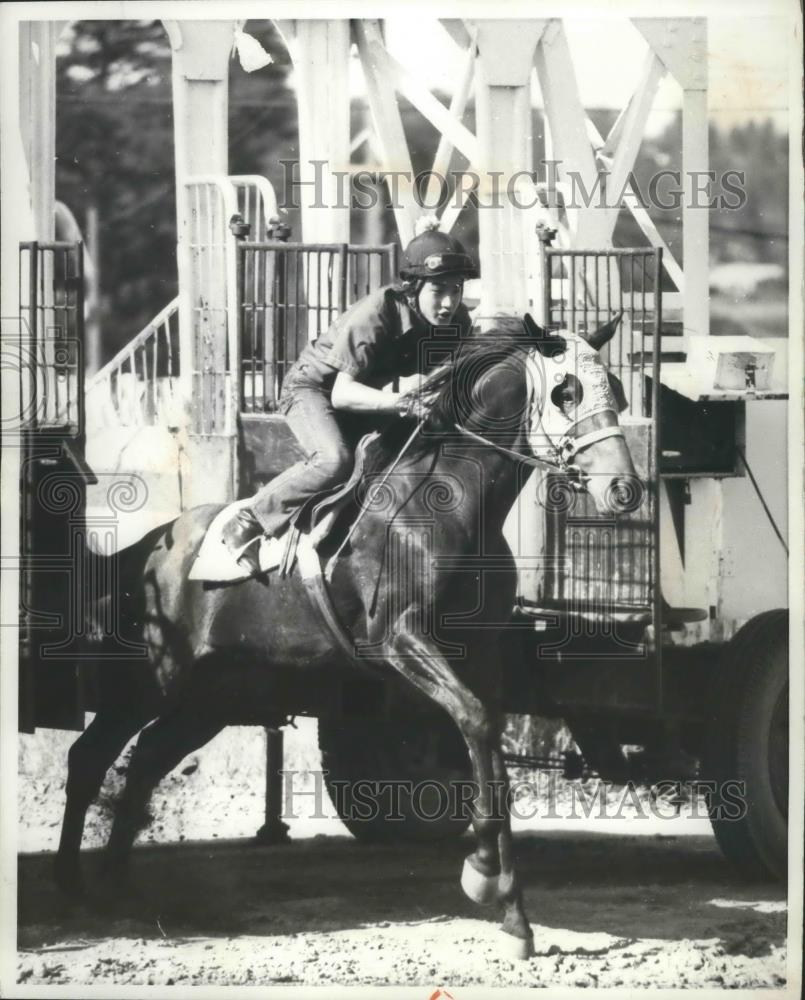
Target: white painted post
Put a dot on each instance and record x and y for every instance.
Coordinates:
(16, 224)
(201, 53)
(695, 215)
(504, 127)
(320, 53)
(681, 44)
(92, 329)
(38, 118)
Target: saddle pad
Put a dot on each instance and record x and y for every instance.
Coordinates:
(214, 561)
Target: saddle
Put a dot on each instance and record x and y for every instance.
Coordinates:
(313, 521)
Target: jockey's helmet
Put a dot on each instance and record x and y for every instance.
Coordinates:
(433, 254)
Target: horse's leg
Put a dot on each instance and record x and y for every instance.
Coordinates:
(160, 747)
(515, 921)
(88, 760)
(421, 663)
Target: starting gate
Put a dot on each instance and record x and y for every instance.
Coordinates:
(290, 293)
(53, 480)
(600, 575)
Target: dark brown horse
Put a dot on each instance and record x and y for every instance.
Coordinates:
(217, 655)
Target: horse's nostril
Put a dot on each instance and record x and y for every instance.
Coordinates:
(624, 494)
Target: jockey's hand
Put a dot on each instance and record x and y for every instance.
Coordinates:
(413, 407)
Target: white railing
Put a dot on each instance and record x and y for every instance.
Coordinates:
(210, 301)
(146, 384)
(257, 203)
(139, 386)
(208, 304)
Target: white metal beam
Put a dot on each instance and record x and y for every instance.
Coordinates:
(639, 213)
(562, 104)
(388, 125)
(681, 43)
(634, 122)
(457, 30)
(630, 126)
(566, 120)
(422, 99)
(458, 104)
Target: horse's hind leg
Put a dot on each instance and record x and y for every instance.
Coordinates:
(160, 747)
(88, 760)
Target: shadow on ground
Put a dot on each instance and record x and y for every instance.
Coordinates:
(627, 886)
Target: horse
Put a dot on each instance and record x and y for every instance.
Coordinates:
(216, 655)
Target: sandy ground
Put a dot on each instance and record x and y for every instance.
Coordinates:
(613, 902)
(607, 910)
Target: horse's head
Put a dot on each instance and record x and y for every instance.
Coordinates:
(574, 415)
(513, 386)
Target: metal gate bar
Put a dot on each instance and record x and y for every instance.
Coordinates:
(51, 297)
(598, 567)
(289, 294)
(583, 288)
(52, 480)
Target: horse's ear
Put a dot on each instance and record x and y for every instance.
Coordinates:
(545, 341)
(533, 329)
(597, 338)
(618, 394)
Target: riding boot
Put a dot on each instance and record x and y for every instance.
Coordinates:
(241, 535)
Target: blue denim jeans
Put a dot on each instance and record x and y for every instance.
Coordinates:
(328, 439)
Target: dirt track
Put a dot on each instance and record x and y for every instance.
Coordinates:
(606, 910)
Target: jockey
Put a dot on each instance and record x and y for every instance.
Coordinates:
(337, 380)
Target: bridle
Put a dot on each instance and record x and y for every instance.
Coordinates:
(563, 452)
(559, 455)
(560, 462)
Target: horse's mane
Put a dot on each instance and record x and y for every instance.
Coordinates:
(474, 355)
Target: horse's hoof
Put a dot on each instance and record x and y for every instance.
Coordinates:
(517, 949)
(482, 889)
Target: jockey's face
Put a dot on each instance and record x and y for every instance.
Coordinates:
(439, 298)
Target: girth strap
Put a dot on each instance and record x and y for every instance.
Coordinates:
(315, 585)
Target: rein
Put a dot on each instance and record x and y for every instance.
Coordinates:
(564, 451)
(568, 446)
